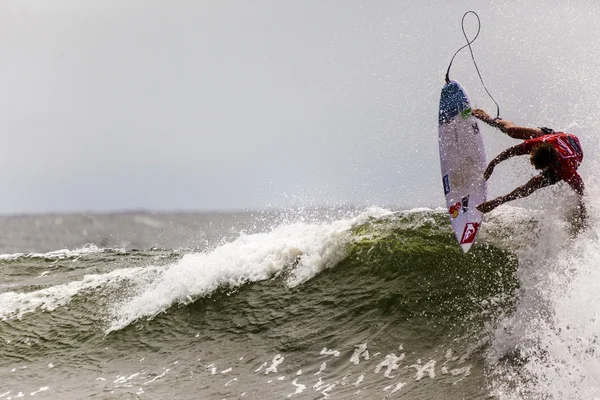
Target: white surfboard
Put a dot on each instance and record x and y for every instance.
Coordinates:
(463, 162)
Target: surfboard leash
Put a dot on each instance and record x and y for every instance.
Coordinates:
(469, 42)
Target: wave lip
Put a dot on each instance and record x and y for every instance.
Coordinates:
(304, 248)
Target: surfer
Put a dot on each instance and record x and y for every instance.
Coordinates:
(557, 154)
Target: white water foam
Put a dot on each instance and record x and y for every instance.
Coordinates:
(303, 249)
(15, 304)
(555, 329)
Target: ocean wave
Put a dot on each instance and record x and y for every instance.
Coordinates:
(381, 276)
(400, 266)
(306, 248)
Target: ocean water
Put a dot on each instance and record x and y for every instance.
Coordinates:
(307, 304)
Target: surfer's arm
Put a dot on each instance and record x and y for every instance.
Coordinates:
(577, 185)
(582, 217)
(505, 155)
(535, 183)
(512, 130)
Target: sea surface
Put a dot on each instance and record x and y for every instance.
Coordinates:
(303, 304)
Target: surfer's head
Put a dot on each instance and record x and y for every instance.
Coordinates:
(543, 155)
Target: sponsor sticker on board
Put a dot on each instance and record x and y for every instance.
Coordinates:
(446, 185)
(469, 233)
(454, 210)
(465, 203)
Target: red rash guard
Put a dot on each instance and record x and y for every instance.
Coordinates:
(570, 156)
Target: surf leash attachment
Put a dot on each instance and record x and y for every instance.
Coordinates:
(469, 42)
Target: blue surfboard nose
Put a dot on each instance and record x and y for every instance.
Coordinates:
(453, 101)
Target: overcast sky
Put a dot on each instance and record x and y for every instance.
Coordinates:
(207, 105)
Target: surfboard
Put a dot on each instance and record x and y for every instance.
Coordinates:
(463, 162)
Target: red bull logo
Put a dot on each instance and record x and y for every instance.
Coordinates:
(455, 209)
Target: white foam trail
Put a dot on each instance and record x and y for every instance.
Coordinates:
(14, 304)
(42, 389)
(250, 258)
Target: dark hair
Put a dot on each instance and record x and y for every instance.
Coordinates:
(543, 155)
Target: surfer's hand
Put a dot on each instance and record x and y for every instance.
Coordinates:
(578, 219)
(488, 206)
(482, 115)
